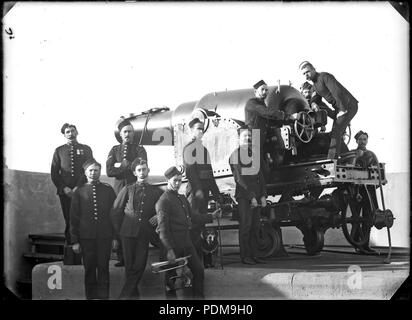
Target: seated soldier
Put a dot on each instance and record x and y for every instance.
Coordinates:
(364, 157)
(315, 102)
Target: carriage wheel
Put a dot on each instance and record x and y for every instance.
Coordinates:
(313, 240)
(304, 128)
(357, 217)
(266, 241)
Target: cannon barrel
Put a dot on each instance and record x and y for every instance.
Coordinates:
(151, 125)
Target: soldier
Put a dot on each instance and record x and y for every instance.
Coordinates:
(315, 100)
(175, 219)
(366, 158)
(257, 115)
(250, 191)
(201, 181)
(92, 230)
(118, 165)
(134, 217)
(67, 172)
(338, 97)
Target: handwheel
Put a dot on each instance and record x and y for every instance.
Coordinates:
(304, 128)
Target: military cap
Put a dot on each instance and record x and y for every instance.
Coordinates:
(67, 125)
(136, 162)
(89, 162)
(258, 84)
(306, 85)
(305, 63)
(172, 171)
(357, 136)
(124, 123)
(194, 121)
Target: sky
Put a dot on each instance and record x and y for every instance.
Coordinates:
(90, 63)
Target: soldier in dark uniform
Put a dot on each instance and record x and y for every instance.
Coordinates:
(175, 219)
(118, 165)
(315, 102)
(366, 158)
(250, 191)
(257, 115)
(67, 172)
(338, 97)
(134, 217)
(92, 230)
(201, 181)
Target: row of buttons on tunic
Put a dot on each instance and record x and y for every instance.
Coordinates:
(125, 152)
(72, 160)
(94, 201)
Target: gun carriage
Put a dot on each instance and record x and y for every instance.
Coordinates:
(307, 190)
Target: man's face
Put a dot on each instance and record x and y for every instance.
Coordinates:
(197, 130)
(362, 141)
(307, 93)
(262, 91)
(175, 182)
(141, 172)
(70, 133)
(244, 138)
(92, 172)
(308, 72)
(126, 133)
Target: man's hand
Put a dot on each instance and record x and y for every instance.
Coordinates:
(253, 203)
(68, 192)
(153, 221)
(171, 255)
(115, 244)
(263, 201)
(76, 248)
(125, 164)
(217, 214)
(292, 116)
(199, 194)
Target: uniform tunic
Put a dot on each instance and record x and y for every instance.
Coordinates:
(134, 206)
(91, 226)
(123, 175)
(341, 99)
(334, 92)
(66, 168)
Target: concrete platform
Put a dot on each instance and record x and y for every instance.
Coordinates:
(330, 275)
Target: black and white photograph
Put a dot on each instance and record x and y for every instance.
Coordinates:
(232, 151)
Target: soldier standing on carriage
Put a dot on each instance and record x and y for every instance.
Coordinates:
(338, 97)
(257, 115)
(118, 165)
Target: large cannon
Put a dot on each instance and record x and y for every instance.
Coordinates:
(308, 190)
